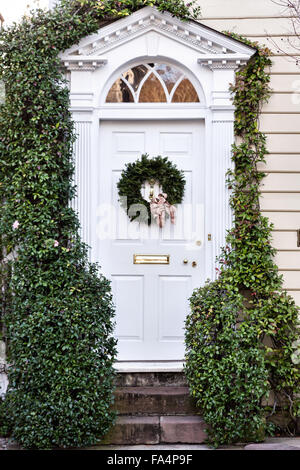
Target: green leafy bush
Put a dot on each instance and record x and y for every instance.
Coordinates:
(61, 350)
(226, 366)
(242, 330)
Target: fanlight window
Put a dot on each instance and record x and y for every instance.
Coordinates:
(152, 83)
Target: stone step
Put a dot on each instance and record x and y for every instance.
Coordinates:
(182, 430)
(134, 430)
(151, 430)
(153, 401)
(151, 379)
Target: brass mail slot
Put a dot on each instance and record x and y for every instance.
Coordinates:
(151, 259)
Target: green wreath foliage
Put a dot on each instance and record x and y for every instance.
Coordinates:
(242, 332)
(57, 316)
(134, 176)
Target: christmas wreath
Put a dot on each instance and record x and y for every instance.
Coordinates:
(153, 170)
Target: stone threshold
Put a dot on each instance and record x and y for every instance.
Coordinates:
(140, 367)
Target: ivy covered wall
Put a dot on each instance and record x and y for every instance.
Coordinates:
(243, 329)
(56, 309)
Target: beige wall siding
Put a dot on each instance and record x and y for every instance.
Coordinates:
(284, 240)
(265, 22)
(284, 142)
(280, 202)
(252, 27)
(282, 163)
(283, 102)
(238, 9)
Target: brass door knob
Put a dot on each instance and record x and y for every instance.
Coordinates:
(194, 264)
(185, 261)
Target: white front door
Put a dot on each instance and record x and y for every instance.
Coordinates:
(151, 300)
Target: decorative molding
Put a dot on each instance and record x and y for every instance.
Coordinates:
(82, 109)
(224, 61)
(84, 64)
(221, 98)
(217, 65)
(205, 41)
(158, 25)
(81, 96)
(82, 101)
(152, 41)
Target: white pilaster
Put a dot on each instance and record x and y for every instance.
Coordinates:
(83, 162)
(222, 140)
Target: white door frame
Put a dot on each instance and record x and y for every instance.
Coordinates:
(218, 141)
(209, 59)
(165, 346)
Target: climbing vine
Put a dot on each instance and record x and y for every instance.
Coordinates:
(242, 332)
(57, 312)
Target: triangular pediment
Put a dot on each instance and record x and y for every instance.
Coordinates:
(212, 46)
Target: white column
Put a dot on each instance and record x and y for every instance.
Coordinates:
(222, 134)
(82, 177)
(222, 140)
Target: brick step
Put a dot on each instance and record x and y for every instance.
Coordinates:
(153, 401)
(147, 430)
(151, 379)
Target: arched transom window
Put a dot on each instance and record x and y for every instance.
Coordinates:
(152, 83)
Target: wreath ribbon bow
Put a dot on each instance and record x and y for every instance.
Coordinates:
(160, 207)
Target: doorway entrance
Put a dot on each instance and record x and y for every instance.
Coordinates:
(151, 300)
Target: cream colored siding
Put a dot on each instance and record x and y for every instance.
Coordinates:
(253, 27)
(238, 9)
(265, 22)
(285, 221)
(284, 64)
(282, 163)
(280, 201)
(296, 295)
(283, 102)
(279, 123)
(279, 143)
(281, 182)
(284, 240)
